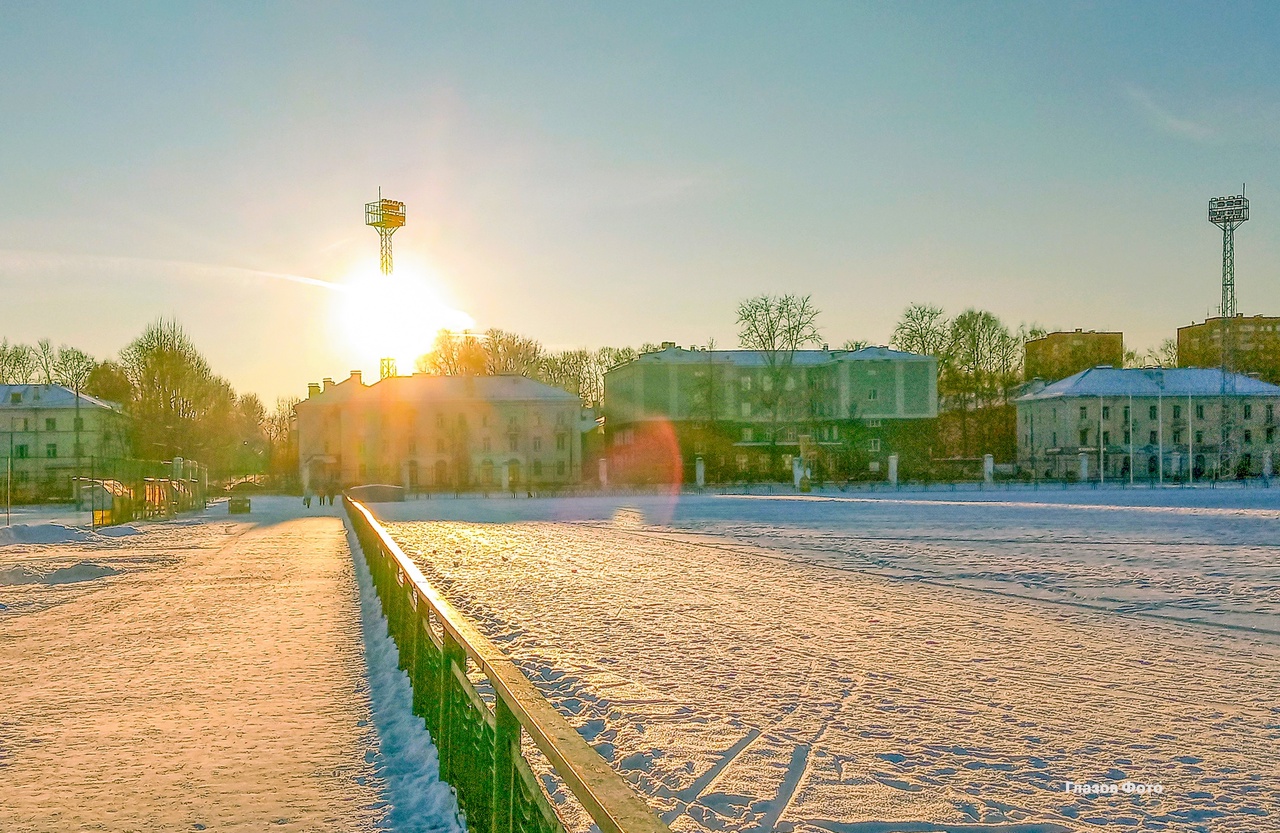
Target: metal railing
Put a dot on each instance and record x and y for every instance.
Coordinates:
(479, 746)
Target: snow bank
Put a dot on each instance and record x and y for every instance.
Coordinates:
(407, 760)
(44, 534)
(84, 571)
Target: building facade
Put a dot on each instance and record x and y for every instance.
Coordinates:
(1255, 345)
(1147, 424)
(439, 432)
(53, 435)
(747, 414)
(1059, 355)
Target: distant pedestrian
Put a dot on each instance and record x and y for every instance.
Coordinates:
(324, 494)
(306, 499)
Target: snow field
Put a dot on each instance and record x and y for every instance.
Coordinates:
(895, 665)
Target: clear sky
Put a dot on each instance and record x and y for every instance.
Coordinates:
(614, 173)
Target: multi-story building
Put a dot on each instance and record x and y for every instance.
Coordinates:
(1107, 423)
(439, 432)
(747, 414)
(1255, 345)
(51, 435)
(1058, 355)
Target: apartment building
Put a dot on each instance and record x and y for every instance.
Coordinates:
(49, 434)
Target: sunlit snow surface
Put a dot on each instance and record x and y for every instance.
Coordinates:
(209, 673)
(913, 662)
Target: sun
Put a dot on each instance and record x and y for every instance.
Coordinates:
(394, 316)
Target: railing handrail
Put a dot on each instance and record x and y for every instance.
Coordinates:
(603, 793)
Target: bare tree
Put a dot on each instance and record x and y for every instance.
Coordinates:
(46, 359)
(855, 344)
(923, 329)
(776, 327)
(72, 368)
(510, 353)
(454, 354)
(1164, 354)
(17, 363)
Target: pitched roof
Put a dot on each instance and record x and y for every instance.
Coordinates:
(49, 396)
(1173, 381)
(755, 358)
(422, 387)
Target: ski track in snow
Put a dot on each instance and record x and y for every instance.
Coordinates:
(894, 665)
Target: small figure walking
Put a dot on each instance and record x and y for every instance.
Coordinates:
(306, 498)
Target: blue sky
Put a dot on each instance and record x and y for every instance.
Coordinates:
(596, 174)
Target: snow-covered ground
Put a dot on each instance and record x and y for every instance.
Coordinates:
(896, 663)
(210, 673)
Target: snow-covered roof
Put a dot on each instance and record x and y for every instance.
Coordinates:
(49, 396)
(422, 387)
(1173, 381)
(755, 358)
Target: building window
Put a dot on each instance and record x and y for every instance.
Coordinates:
(1155, 439)
(537, 443)
(560, 468)
(1106, 412)
(1153, 413)
(1199, 438)
(1152, 464)
(20, 452)
(1084, 436)
(15, 399)
(51, 450)
(513, 443)
(484, 444)
(1271, 413)
(1177, 438)
(1084, 412)
(1271, 434)
(873, 423)
(1055, 439)
(873, 395)
(745, 382)
(561, 442)
(1248, 437)
(873, 444)
(537, 468)
(1126, 414)
(1248, 411)
(746, 409)
(79, 450)
(748, 435)
(78, 424)
(1199, 412)
(1106, 438)
(51, 424)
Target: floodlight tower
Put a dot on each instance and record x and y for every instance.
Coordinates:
(386, 216)
(1228, 214)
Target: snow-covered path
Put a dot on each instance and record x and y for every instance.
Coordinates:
(201, 674)
(895, 666)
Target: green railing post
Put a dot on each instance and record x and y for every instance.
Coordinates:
(506, 748)
(452, 655)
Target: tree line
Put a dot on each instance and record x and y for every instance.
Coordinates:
(178, 406)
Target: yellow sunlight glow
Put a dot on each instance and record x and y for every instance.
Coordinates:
(394, 316)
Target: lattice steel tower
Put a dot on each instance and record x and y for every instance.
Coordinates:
(386, 216)
(1228, 214)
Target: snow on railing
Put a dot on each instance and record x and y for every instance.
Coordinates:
(479, 746)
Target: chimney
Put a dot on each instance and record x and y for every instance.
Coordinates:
(357, 377)
(313, 389)
(328, 383)
(668, 344)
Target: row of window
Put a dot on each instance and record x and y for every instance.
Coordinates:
(1153, 412)
(442, 445)
(1154, 437)
(50, 424)
(22, 451)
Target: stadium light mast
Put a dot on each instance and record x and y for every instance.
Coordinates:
(1228, 214)
(386, 216)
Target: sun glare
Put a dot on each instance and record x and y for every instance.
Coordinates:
(394, 316)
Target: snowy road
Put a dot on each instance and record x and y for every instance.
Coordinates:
(204, 674)
(896, 665)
